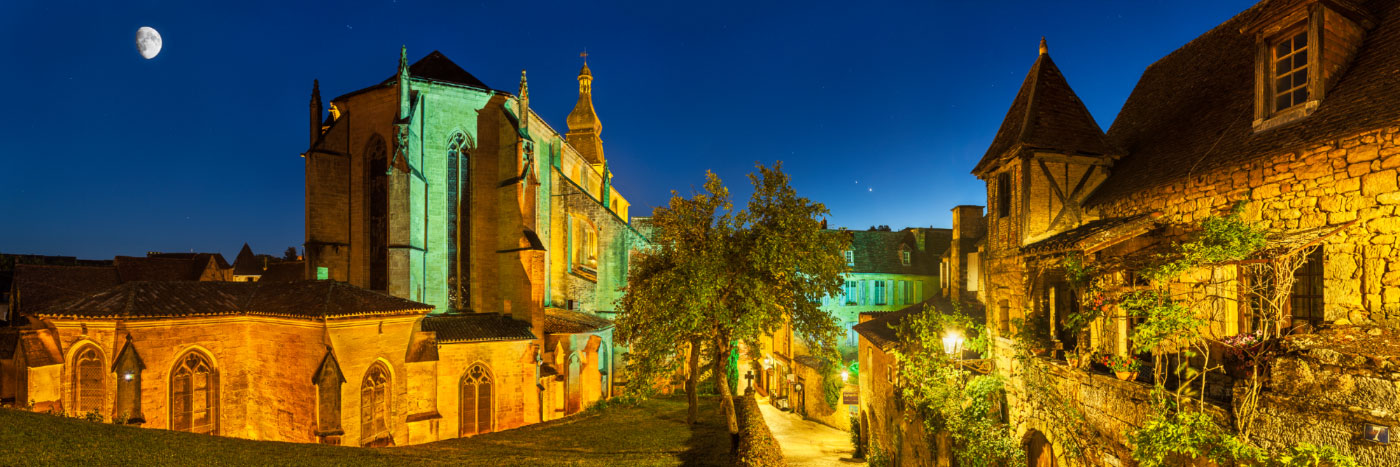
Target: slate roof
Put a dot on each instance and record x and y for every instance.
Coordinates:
(247, 263)
(437, 67)
(1092, 232)
(476, 327)
(880, 333)
(877, 252)
(285, 271)
(42, 287)
(1046, 114)
(135, 268)
(304, 299)
(1192, 111)
(561, 321)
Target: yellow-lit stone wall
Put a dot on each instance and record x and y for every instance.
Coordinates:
(512, 369)
(1320, 185)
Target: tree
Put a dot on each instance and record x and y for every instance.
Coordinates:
(290, 254)
(717, 276)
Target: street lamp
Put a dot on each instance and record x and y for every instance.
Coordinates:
(952, 343)
(845, 376)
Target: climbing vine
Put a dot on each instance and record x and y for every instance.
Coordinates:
(965, 405)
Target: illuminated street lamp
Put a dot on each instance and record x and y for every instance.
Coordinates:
(952, 343)
(845, 376)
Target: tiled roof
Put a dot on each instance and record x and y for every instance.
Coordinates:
(1046, 114)
(43, 287)
(246, 263)
(878, 252)
(135, 268)
(881, 333)
(304, 299)
(476, 327)
(285, 271)
(1090, 233)
(561, 321)
(1192, 111)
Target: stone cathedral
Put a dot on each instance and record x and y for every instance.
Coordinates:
(462, 263)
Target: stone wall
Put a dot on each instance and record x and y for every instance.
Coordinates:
(814, 396)
(1316, 186)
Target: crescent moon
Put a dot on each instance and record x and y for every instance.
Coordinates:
(148, 42)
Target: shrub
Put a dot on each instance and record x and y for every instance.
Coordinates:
(855, 439)
(756, 444)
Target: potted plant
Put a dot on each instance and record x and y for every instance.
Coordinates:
(1245, 351)
(1125, 368)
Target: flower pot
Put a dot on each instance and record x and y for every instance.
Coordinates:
(1126, 375)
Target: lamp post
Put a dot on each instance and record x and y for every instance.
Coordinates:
(952, 344)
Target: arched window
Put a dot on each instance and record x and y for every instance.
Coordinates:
(574, 397)
(378, 183)
(87, 380)
(478, 408)
(192, 394)
(458, 221)
(374, 407)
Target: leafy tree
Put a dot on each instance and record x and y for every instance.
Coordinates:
(290, 254)
(719, 276)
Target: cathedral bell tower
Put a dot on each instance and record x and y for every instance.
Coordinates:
(584, 127)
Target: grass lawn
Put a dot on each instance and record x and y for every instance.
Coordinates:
(653, 434)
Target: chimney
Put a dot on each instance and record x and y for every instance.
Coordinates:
(968, 227)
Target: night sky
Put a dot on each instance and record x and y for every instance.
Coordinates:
(878, 110)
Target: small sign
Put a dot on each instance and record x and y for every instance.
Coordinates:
(1376, 433)
(850, 398)
(322, 273)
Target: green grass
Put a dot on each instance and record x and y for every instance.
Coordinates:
(651, 434)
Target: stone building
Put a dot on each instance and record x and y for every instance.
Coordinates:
(888, 271)
(886, 423)
(1289, 109)
(460, 257)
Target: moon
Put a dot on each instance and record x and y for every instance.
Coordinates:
(148, 42)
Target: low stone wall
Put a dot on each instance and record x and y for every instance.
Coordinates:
(756, 444)
(838, 417)
(1327, 387)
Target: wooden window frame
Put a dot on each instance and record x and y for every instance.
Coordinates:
(1307, 20)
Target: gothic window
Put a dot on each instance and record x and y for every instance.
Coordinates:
(1290, 69)
(477, 411)
(87, 380)
(328, 380)
(879, 292)
(850, 292)
(1306, 297)
(192, 395)
(1003, 194)
(378, 183)
(458, 222)
(374, 407)
(584, 242)
(128, 369)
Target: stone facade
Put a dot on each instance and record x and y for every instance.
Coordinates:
(1322, 174)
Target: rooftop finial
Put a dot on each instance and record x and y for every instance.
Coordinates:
(1043, 48)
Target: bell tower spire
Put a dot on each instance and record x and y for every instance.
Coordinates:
(584, 127)
(315, 110)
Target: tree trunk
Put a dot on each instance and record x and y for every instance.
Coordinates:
(692, 382)
(726, 397)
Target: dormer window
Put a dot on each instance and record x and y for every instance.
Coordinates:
(1302, 50)
(1290, 78)
(850, 258)
(904, 257)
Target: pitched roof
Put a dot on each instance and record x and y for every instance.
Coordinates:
(1089, 234)
(246, 263)
(218, 258)
(43, 287)
(285, 271)
(135, 268)
(1046, 114)
(476, 327)
(304, 299)
(1192, 111)
(561, 321)
(878, 252)
(437, 67)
